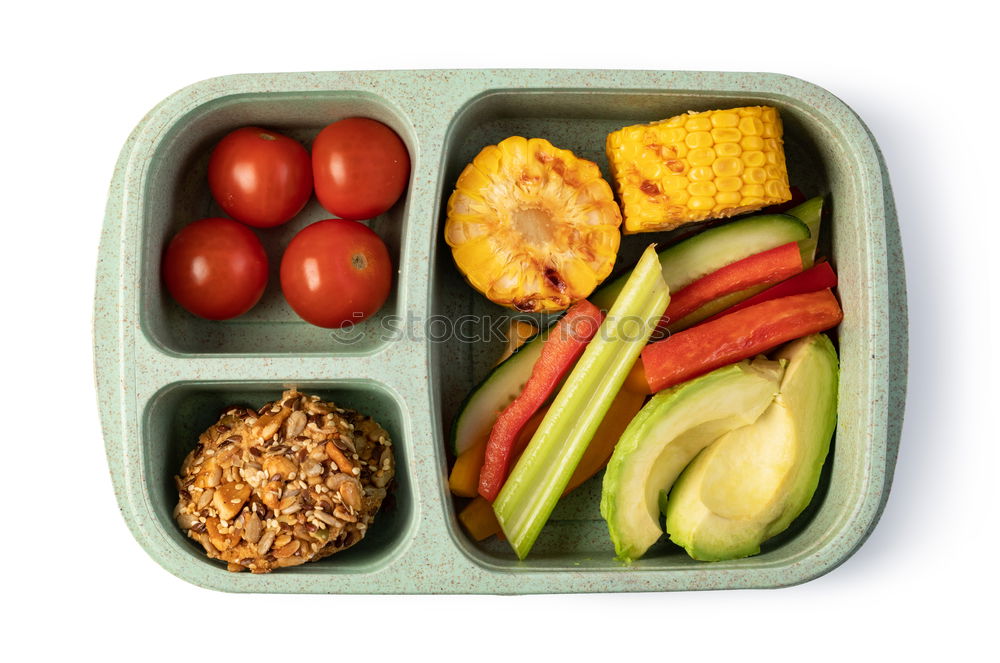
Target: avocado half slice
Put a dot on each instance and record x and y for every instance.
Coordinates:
(751, 483)
(667, 434)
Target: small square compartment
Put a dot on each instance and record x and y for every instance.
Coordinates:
(180, 412)
(576, 538)
(176, 193)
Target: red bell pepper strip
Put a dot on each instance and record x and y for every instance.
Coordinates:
(818, 277)
(772, 266)
(562, 348)
(737, 336)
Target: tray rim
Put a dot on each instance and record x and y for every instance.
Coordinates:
(115, 409)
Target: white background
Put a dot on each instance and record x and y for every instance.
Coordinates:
(78, 78)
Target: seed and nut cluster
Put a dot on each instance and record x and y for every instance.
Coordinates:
(296, 481)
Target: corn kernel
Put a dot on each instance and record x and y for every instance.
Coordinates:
(728, 149)
(675, 135)
(754, 159)
(751, 126)
(728, 198)
(701, 173)
(726, 135)
(701, 202)
(750, 143)
(725, 119)
(728, 183)
(703, 156)
(698, 139)
(772, 188)
(752, 190)
(675, 183)
(773, 173)
(754, 176)
(728, 166)
(702, 188)
(698, 123)
(667, 152)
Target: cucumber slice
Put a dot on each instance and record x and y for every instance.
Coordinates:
(809, 213)
(689, 260)
(480, 409)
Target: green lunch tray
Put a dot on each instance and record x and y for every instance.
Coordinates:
(163, 375)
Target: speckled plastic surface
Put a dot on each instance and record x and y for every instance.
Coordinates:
(164, 375)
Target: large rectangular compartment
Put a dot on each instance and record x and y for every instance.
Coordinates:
(161, 371)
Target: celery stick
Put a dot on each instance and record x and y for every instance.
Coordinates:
(540, 476)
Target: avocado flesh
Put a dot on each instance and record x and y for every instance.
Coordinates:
(666, 435)
(752, 482)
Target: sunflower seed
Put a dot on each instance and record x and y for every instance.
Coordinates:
(252, 530)
(205, 499)
(344, 514)
(328, 519)
(187, 521)
(350, 492)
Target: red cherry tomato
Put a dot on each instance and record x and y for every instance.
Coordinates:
(335, 273)
(215, 268)
(360, 168)
(260, 177)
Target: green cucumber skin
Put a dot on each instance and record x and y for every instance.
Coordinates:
(731, 240)
(509, 369)
(810, 213)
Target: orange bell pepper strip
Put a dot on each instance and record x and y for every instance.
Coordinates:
(737, 336)
(765, 268)
(464, 478)
(518, 333)
(623, 409)
(478, 519)
(560, 351)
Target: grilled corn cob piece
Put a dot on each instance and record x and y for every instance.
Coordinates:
(698, 166)
(531, 226)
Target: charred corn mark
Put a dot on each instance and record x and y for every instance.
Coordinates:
(649, 188)
(698, 166)
(532, 226)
